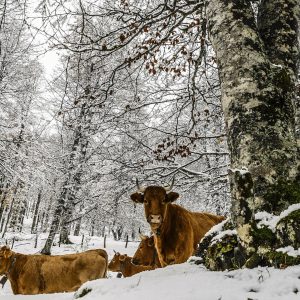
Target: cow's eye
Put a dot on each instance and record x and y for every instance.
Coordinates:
(146, 202)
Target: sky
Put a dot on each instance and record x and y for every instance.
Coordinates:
(50, 62)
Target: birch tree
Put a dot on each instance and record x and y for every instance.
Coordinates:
(258, 60)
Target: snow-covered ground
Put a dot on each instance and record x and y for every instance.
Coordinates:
(179, 282)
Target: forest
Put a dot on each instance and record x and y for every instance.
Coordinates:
(97, 94)
(73, 143)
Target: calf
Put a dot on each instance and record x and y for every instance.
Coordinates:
(146, 254)
(43, 274)
(122, 263)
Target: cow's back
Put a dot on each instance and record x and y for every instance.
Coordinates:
(202, 223)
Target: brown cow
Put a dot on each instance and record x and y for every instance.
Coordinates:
(122, 263)
(36, 274)
(146, 254)
(177, 231)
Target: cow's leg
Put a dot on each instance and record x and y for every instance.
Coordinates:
(171, 259)
(29, 284)
(161, 259)
(158, 246)
(184, 248)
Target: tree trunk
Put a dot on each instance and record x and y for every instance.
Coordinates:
(92, 228)
(21, 217)
(77, 157)
(42, 222)
(3, 198)
(64, 232)
(36, 210)
(257, 68)
(59, 213)
(77, 227)
(47, 216)
(54, 227)
(2, 206)
(8, 217)
(3, 218)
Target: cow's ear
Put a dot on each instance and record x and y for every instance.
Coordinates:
(143, 237)
(171, 196)
(137, 197)
(6, 252)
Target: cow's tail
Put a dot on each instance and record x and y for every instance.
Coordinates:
(103, 253)
(106, 267)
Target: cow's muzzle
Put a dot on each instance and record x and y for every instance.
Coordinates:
(155, 220)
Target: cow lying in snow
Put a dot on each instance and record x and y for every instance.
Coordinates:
(146, 254)
(122, 263)
(176, 230)
(36, 274)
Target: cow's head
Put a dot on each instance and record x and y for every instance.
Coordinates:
(146, 252)
(156, 200)
(117, 260)
(5, 259)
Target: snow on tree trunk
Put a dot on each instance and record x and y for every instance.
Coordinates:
(65, 228)
(257, 68)
(3, 197)
(54, 227)
(78, 224)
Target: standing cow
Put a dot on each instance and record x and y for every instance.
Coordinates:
(36, 274)
(176, 230)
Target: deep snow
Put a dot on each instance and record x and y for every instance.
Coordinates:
(178, 282)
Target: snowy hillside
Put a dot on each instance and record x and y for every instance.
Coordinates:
(179, 282)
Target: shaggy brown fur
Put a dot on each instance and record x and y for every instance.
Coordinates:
(37, 274)
(122, 263)
(177, 231)
(146, 254)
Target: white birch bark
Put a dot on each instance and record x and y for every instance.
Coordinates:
(258, 85)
